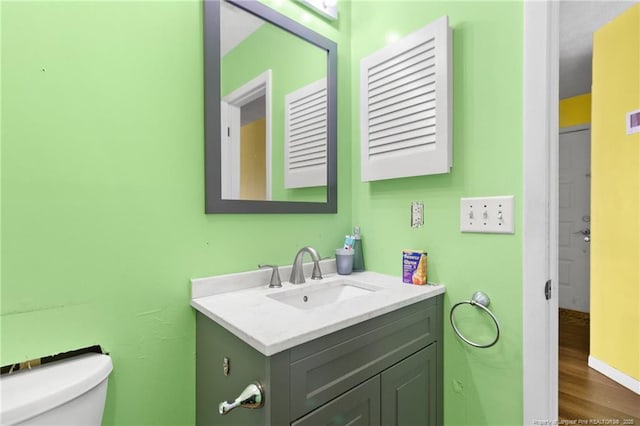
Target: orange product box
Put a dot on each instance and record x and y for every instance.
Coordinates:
(414, 267)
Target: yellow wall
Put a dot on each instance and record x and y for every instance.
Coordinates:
(615, 202)
(253, 169)
(575, 111)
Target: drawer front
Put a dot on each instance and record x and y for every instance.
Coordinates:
(338, 362)
(358, 407)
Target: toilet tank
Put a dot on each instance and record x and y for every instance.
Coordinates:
(67, 392)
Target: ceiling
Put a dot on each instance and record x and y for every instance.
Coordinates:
(235, 26)
(578, 20)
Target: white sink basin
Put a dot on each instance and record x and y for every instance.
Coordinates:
(322, 294)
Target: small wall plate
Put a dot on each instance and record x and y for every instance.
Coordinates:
(417, 214)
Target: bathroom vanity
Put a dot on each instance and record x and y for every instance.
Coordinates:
(365, 350)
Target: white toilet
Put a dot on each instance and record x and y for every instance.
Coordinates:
(67, 392)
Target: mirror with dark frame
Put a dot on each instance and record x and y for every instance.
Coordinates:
(270, 112)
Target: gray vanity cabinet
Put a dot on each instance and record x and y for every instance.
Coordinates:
(384, 371)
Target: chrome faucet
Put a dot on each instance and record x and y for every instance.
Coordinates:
(297, 271)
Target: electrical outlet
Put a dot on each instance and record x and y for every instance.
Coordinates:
(493, 215)
(417, 214)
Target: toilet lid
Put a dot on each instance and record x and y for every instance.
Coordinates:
(28, 393)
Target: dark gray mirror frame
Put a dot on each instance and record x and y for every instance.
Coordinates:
(212, 155)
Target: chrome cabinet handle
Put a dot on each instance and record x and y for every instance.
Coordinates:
(251, 397)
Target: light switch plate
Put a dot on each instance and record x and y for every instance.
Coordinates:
(493, 215)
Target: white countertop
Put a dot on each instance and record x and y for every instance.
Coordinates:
(239, 303)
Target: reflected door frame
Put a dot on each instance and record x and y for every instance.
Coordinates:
(230, 137)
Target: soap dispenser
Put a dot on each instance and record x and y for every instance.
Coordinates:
(358, 255)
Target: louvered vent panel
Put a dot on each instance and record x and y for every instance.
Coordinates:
(405, 106)
(306, 136)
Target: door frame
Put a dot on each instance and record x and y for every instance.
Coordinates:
(540, 210)
(257, 87)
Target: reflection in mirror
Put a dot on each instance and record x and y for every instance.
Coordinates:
(290, 103)
(274, 109)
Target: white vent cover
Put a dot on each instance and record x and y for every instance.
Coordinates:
(305, 148)
(406, 106)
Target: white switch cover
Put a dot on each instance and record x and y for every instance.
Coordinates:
(493, 215)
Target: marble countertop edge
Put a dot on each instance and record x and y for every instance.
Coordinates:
(283, 327)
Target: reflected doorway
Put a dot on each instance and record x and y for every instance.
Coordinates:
(246, 141)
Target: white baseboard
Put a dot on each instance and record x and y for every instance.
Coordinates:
(615, 375)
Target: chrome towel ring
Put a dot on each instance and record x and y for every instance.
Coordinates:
(479, 300)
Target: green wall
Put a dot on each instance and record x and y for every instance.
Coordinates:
(103, 194)
(294, 63)
(481, 386)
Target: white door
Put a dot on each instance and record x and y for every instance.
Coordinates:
(574, 219)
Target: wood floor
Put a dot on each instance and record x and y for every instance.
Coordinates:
(586, 396)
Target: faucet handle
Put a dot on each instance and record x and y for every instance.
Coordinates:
(275, 281)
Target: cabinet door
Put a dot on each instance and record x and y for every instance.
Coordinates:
(358, 407)
(409, 390)
(327, 367)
